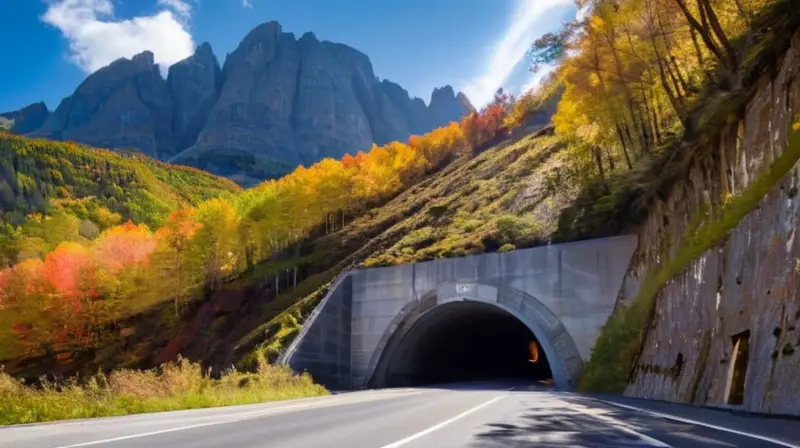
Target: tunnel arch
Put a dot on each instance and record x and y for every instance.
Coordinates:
(454, 300)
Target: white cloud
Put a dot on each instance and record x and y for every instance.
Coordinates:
(512, 47)
(247, 3)
(182, 9)
(97, 38)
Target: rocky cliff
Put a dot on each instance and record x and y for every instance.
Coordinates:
(25, 120)
(277, 102)
(726, 329)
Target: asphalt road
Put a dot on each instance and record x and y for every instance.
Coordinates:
(464, 415)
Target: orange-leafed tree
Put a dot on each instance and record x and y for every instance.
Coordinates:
(125, 245)
(174, 270)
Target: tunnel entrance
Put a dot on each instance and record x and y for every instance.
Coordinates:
(463, 341)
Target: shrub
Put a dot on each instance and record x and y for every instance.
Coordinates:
(173, 386)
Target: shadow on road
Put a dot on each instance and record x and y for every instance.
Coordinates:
(577, 421)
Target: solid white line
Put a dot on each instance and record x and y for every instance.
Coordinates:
(153, 433)
(256, 413)
(707, 425)
(442, 424)
(622, 426)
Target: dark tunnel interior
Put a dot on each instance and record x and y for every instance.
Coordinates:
(464, 341)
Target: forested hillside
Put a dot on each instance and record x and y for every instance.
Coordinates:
(52, 192)
(94, 273)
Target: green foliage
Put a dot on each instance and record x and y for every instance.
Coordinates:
(171, 387)
(620, 342)
(474, 205)
(40, 176)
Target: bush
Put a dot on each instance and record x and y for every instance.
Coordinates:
(173, 386)
(507, 247)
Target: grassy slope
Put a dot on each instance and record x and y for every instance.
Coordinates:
(35, 174)
(514, 192)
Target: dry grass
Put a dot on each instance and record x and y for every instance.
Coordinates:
(173, 386)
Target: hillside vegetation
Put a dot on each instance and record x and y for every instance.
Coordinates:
(52, 192)
(79, 275)
(171, 387)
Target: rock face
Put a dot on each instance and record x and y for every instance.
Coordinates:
(123, 105)
(277, 102)
(27, 119)
(193, 83)
(726, 331)
(445, 105)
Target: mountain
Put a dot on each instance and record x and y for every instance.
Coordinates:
(25, 120)
(277, 102)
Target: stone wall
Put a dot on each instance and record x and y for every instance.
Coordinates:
(746, 286)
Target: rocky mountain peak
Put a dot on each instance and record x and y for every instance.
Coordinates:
(444, 106)
(465, 103)
(308, 37)
(204, 50)
(144, 60)
(277, 102)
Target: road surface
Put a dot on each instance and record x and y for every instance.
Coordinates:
(480, 415)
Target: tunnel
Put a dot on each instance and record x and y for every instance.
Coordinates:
(461, 341)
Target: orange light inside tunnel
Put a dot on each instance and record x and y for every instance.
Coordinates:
(534, 349)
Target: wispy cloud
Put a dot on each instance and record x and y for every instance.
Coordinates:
(182, 8)
(247, 3)
(511, 48)
(97, 38)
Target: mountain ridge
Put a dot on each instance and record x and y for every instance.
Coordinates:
(276, 102)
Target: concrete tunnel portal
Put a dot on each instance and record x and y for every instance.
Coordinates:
(461, 341)
(466, 318)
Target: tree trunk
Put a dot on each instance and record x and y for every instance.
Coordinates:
(676, 103)
(647, 113)
(598, 158)
(624, 147)
(611, 165)
(679, 75)
(702, 31)
(720, 33)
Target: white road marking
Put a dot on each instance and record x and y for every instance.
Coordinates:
(241, 417)
(442, 424)
(622, 426)
(699, 423)
(153, 433)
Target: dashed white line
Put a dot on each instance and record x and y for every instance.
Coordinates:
(442, 424)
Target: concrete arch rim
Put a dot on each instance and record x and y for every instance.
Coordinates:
(416, 311)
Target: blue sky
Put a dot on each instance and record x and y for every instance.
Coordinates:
(49, 46)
